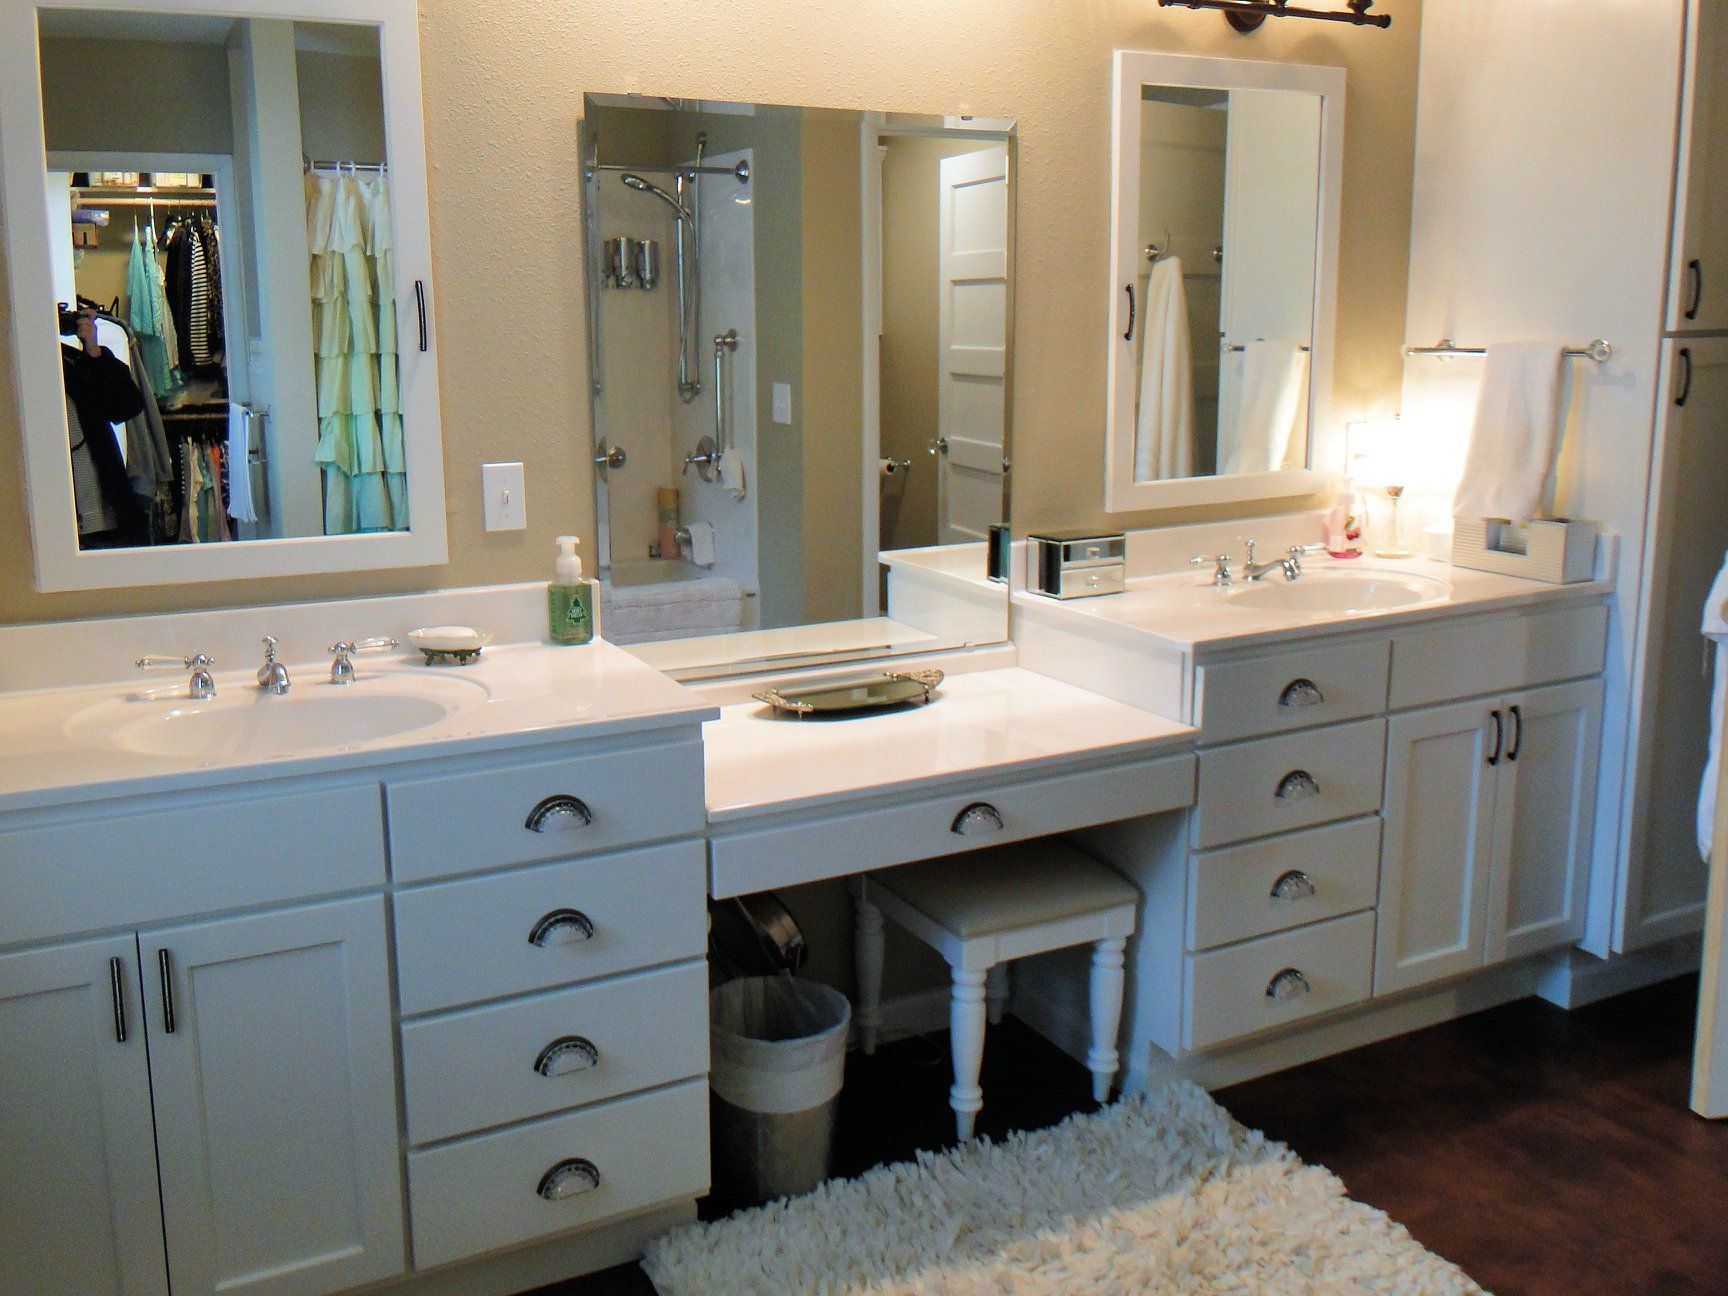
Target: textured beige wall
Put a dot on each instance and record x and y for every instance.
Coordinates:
(504, 83)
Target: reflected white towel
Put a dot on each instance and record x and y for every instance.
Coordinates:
(240, 506)
(1715, 629)
(732, 473)
(701, 543)
(1164, 431)
(1514, 435)
(1271, 396)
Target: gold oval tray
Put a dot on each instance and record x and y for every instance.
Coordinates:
(849, 697)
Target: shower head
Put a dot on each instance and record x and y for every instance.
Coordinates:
(633, 181)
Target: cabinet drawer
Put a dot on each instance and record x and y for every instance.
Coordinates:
(838, 845)
(1281, 882)
(1233, 992)
(200, 856)
(462, 942)
(1268, 695)
(1275, 785)
(1481, 655)
(550, 809)
(483, 1193)
(496, 1065)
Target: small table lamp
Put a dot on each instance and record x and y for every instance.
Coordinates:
(1381, 459)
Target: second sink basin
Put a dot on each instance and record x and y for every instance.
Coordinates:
(1340, 593)
(243, 722)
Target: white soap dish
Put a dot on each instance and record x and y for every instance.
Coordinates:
(450, 645)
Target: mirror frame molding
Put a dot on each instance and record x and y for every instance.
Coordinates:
(60, 565)
(1132, 70)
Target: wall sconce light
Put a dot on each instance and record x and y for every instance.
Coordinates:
(1247, 15)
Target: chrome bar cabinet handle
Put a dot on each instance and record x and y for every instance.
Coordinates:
(117, 988)
(165, 973)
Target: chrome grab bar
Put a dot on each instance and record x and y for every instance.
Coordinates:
(724, 344)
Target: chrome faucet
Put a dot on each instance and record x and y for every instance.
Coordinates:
(200, 685)
(272, 675)
(1290, 564)
(1221, 569)
(342, 667)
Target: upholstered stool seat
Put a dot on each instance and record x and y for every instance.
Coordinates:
(980, 911)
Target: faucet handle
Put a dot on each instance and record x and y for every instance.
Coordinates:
(1221, 570)
(197, 661)
(1249, 545)
(342, 669)
(269, 648)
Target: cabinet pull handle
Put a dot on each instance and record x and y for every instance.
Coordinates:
(1294, 885)
(569, 1178)
(165, 973)
(562, 813)
(1297, 785)
(1685, 382)
(1300, 693)
(1695, 268)
(1499, 738)
(117, 988)
(420, 311)
(565, 1054)
(561, 927)
(1517, 733)
(1128, 336)
(979, 817)
(1288, 984)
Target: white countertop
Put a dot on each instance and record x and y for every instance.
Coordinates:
(515, 695)
(1185, 612)
(1007, 721)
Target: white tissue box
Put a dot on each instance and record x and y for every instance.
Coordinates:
(1560, 551)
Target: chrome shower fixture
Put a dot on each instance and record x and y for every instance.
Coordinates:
(633, 181)
(648, 263)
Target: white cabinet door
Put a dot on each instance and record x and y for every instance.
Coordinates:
(1437, 861)
(1663, 880)
(1543, 817)
(79, 1213)
(1698, 291)
(275, 1085)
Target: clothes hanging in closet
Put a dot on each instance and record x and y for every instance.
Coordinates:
(147, 314)
(193, 285)
(100, 392)
(204, 514)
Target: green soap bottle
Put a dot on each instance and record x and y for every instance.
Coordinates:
(572, 611)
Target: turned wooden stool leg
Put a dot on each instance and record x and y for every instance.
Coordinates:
(966, 1033)
(1102, 1058)
(996, 992)
(868, 943)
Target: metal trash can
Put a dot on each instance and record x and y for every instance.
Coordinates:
(778, 1048)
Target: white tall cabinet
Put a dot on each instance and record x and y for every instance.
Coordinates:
(1570, 185)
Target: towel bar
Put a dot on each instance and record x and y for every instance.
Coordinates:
(1599, 350)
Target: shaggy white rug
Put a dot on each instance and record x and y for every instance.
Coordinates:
(1155, 1195)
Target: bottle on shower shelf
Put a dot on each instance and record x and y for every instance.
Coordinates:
(666, 505)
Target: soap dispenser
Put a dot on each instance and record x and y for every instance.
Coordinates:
(571, 605)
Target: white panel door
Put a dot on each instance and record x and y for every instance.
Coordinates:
(275, 1093)
(79, 1212)
(1698, 294)
(1436, 865)
(1661, 890)
(972, 327)
(1543, 819)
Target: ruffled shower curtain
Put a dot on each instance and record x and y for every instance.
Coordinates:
(354, 346)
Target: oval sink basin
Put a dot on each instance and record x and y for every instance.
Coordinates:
(245, 723)
(1339, 593)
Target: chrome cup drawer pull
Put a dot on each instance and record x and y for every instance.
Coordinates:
(1299, 693)
(561, 927)
(569, 1178)
(561, 813)
(1288, 984)
(1297, 785)
(1294, 885)
(977, 819)
(566, 1054)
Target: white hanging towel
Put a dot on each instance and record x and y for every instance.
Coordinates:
(1716, 630)
(731, 468)
(1164, 431)
(701, 543)
(1515, 433)
(240, 506)
(1271, 396)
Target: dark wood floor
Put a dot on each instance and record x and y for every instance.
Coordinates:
(1548, 1153)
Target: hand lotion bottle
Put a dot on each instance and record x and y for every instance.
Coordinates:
(572, 607)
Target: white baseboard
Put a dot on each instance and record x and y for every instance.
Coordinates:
(904, 1016)
(1573, 978)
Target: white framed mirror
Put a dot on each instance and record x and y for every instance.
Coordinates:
(1227, 184)
(219, 260)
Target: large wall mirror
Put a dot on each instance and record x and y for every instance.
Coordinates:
(216, 243)
(1223, 281)
(800, 364)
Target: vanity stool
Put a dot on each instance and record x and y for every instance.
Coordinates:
(979, 911)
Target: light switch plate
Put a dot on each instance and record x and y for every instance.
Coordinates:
(782, 396)
(503, 489)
